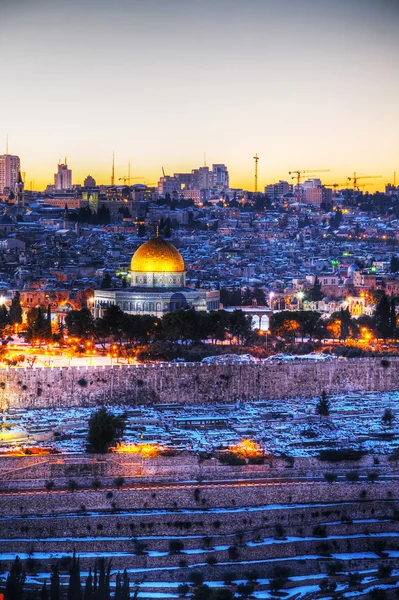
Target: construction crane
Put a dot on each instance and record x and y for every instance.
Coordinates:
(256, 159)
(113, 170)
(298, 174)
(163, 172)
(356, 178)
(335, 186)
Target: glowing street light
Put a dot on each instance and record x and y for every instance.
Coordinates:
(300, 295)
(271, 296)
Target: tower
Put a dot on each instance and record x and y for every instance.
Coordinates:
(19, 194)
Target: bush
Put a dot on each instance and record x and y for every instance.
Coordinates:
(252, 575)
(331, 455)
(49, 485)
(82, 382)
(354, 579)
(330, 477)
(320, 531)
(335, 567)
(176, 546)
(378, 594)
(280, 531)
(211, 560)
(104, 429)
(196, 578)
(352, 476)
(229, 458)
(245, 589)
(183, 589)
(119, 482)
(73, 485)
(384, 571)
(280, 578)
(229, 577)
(233, 553)
(373, 476)
(96, 483)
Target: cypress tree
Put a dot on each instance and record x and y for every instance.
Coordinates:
(125, 586)
(383, 316)
(4, 316)
(15, 581)
(74, 587)
(55, 582)
(118, 587)
(392, 319)
(89, 593)
(43, 593)
(16, 309)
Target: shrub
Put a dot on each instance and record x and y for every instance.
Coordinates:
(119, 482)
(323, 585)
(280, 578)
(229, 577)
(245, 589)
(252, 575)
(233, 553)
(320, 531)
(211, 560)
(373, 476)
(352, 476)
(82, 382)
(330, 477)
(176, 546)
(183, 589)
(109, 495)
(384, 571)
(331, 455)
(335, 567)
(229, 458)
(378, 594)
(279, 529)
(49, 485)
(354, 579)
(196, 578)
(73, 485)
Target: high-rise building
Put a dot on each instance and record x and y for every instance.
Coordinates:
(63, 179)
(278, 190)
(220, 176)
(317, 195)
(9, 168)
(168, 185)
(89, 182)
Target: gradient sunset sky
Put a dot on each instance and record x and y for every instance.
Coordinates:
(306, 84)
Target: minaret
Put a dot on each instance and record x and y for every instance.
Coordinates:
(19, 194)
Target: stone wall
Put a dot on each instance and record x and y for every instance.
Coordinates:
(191, 383)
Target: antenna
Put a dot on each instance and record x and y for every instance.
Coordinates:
(113, 170)
(256, 159)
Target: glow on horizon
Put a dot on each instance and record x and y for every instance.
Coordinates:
(303, 83)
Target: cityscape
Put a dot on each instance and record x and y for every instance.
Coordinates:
(199, 300)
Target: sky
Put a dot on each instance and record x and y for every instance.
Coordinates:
(305, 84)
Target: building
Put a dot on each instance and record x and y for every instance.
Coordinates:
(168, 185)
(220, 176)
(278, 190)
(63, 178)
(9, 168)
(157, 284)
(89, 182)
(318, 195)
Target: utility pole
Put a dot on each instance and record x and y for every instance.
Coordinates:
(256, 159)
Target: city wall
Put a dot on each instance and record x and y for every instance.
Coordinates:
(191, 383)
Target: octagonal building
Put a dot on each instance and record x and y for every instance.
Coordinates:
(157, 280)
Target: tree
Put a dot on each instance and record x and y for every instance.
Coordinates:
(106, 282)
(394, 267)
(15, 581)
(382, 317)
(104, 429)
(4, 317)
(43, 592)
(323, 405)
(89, 592)
(16, 309)
(74, 586)
(388, 417)
(315, 294)
(55, 582)
(122, 586)
(80, 323)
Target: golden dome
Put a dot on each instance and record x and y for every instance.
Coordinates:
(157, 256)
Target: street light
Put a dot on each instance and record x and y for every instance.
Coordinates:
(300, 296)
(271, 295)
